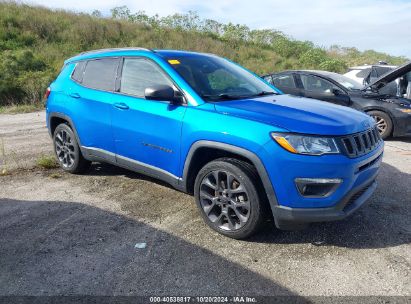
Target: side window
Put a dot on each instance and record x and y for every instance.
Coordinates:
(284, 81)
(317, 84)
(382, 70)
(363, 73)
(374, 73)
(139, 74)
(101, 74)
(78, 71)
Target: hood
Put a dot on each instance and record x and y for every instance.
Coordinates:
(391, 76)
(297, 114)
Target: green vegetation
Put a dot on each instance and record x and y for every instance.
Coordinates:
(34, 42)
(47, 162)
(21, 108)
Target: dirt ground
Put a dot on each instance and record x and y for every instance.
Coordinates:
(64, 234)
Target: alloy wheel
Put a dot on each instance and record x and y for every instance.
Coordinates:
(65, 149)
(381, 123)
(224, 200)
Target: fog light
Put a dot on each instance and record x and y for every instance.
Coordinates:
(317, 187)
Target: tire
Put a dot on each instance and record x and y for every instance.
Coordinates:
(67, 150)
(237, 211)
(384, 123)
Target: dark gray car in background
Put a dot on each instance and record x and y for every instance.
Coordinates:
(391, 112)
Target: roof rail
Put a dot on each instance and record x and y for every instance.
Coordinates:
(114, 49)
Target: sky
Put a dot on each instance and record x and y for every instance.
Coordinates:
(381, 25)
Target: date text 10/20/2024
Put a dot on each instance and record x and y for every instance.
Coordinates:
(181, 299)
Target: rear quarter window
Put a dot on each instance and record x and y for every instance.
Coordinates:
(101, 74)
(78, 71)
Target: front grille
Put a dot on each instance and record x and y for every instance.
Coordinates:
(358, 144)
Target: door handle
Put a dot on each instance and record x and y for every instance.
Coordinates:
(121, 105)
(75, 95)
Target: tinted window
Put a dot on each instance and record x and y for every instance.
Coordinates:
(317, 84)
(374, 73)
(78, 71)
(284, 81)
(139, 74)
(382, 70)
(363, 73)
(101, 74)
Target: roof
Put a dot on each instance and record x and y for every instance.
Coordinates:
(128, 51)
(315, 72)
(180, 53)
(365, 66)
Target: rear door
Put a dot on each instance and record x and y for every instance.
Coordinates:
(286, 83)
(90, 96)
(319, 88)
(147, 133)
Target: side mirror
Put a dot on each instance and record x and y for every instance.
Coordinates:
(342, 96)
(161, 93)
(338, 92)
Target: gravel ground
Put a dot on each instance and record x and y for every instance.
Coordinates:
(64, 234)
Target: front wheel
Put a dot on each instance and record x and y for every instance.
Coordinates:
(226, 192)
(68, 151)
(383, 122)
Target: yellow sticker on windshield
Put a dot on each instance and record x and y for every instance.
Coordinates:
(173, 61)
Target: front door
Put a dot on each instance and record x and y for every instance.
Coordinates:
(146, 133)
(322, 89)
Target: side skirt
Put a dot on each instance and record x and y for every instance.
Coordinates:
(100, 155)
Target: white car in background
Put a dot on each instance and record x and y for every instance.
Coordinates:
(366, 74)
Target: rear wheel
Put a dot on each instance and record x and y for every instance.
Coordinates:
(383, 122)
(226, 192)
(68, 151)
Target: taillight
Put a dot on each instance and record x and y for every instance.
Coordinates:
(47, 94)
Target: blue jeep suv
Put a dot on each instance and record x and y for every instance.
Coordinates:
(211, 128)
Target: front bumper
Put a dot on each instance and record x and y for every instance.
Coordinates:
(287, 218)
(292, 209)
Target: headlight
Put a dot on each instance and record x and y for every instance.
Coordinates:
(302, 144)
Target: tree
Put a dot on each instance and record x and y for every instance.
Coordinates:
(97, 14)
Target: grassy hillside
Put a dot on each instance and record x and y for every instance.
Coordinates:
(34, 42)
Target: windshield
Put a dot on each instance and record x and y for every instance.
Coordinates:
(346, 82)
(216, 79)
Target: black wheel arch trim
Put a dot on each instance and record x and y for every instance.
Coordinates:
(72, 126)
(66, 118)
(254, 159)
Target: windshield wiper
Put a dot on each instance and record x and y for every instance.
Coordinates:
(222, 97)
(264, 93)
(225, 96)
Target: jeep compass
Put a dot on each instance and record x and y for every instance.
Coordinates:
(213, 129)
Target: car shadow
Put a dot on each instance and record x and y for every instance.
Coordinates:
(104, 169)
(69, 248)
(383, 222)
